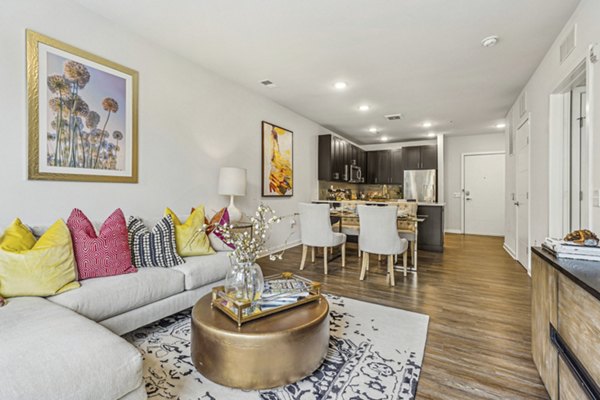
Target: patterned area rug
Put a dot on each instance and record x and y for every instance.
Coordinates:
(375, 353)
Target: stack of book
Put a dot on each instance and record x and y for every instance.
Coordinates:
(563, 249)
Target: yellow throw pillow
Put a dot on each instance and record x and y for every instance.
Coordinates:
(17, 237)
(43, 268)
(191, 229)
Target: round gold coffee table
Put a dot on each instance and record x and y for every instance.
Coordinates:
(272, 351)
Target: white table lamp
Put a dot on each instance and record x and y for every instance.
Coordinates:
(232, 182)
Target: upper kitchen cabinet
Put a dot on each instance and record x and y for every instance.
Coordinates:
(339, 160)
(379, 167)
(411, 157)
(397, 166)
(420, 157)
(429, 157)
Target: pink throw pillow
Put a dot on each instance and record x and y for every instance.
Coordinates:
(105, 254)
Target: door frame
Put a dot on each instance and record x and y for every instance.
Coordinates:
(559, 130)
(462, 180)
(526, 118)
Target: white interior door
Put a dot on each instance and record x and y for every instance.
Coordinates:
(522, 201)
(483, 177)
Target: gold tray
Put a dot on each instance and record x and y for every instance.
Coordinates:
(243, 311)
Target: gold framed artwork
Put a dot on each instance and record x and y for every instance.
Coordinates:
(277, 161)
(82, 114)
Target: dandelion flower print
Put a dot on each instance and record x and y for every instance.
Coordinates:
(77, 105)
(58, 84)
(77, 72)
(81, 99)
(92, 120)
(110, 105)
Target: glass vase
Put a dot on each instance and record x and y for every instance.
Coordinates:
(244, 282)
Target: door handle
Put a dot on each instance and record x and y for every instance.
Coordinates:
(516, 203)
(468, 198)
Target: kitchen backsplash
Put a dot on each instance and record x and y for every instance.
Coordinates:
(353, 191)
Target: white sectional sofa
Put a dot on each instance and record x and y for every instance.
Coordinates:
(67, 347)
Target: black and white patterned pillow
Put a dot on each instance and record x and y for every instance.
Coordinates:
(154, 248)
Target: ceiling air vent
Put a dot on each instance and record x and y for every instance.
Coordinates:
(568, 44)
(268, 83)
(393, 117)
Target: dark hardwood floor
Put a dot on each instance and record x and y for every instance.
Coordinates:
(478, 301)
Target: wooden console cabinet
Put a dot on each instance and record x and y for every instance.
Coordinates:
(566, 325)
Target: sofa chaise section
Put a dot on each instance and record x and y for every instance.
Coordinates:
(50, 352)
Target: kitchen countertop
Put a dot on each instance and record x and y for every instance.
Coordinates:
(377, 202)
(586, 274)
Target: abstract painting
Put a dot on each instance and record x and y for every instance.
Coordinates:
(82, 114)
(277, 161)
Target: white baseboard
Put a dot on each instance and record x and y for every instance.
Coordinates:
(458, 231)
(510, 251)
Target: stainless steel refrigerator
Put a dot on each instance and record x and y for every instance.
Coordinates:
(420, 185)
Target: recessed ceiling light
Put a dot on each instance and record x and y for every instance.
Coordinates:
(489, 41)
(431, 134)
(501, 125)
(384, 138)
(373, 130)
(364, 107)
(427, 124)
(340, 85)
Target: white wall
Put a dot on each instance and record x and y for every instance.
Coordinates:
(549, 74)
(454, 147)
(191, 122)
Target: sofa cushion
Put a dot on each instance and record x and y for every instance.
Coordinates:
(202, 270)
(37, 268)
(156, 247)
(102, 298)
(49, 352)
(217, 240)
(103, 254)
(191, 240)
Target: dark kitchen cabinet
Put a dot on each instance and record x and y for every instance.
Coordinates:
(378, 167)
(328, 158)
(372, 159)
(396, 166)
(384, 163)
(431, 231)
(420, 157)
(336, 156)
(429, 157)
(412, 157)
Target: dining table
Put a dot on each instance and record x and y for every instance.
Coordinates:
(339, 214)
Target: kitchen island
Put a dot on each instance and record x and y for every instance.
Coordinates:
(431, 230)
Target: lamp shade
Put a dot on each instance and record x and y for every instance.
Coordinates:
(232, 181)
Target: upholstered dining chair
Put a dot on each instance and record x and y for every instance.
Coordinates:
(379, 235)
(316, 231)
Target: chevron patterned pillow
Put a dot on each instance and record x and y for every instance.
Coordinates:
(156, 247)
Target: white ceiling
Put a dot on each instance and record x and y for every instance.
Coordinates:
(421, 58)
